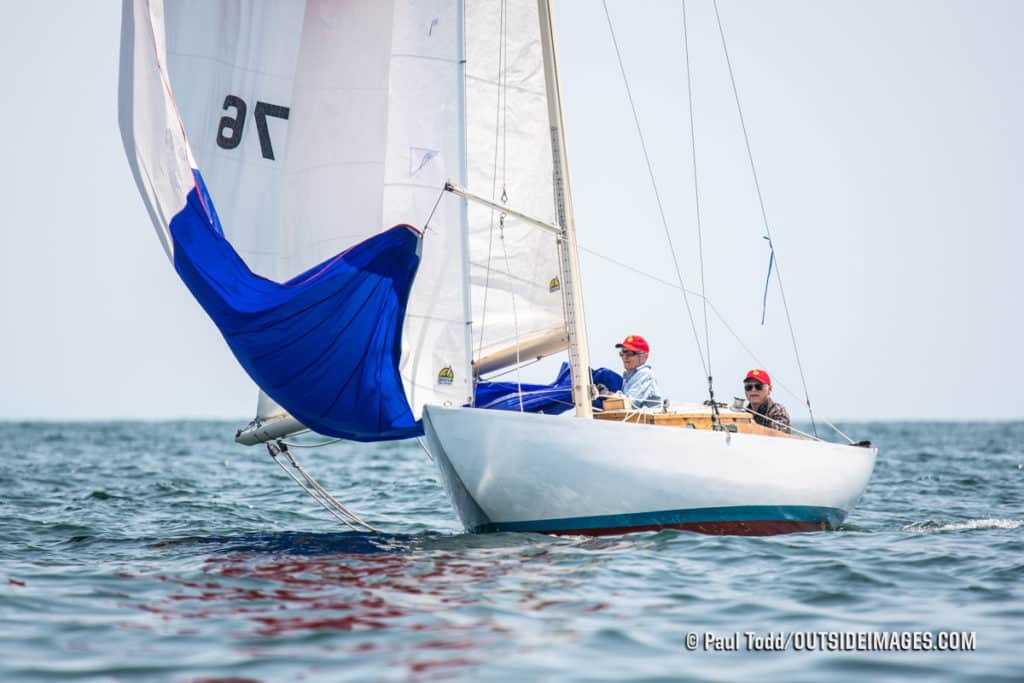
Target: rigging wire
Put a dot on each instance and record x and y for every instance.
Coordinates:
(503, 98)
(657, 195)
(515, 314)
(837, 430)
(318, 444)
(500, 150)
(696, 200)
(783, 427)
(419, 440)
(437, 202)
(494, 173)
(315, 490)
(491, 378)
(717, 314)
(764, 214)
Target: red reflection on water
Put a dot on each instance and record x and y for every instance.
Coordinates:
(338, 592)
(402, 608)
(401, 592)
(423, 667)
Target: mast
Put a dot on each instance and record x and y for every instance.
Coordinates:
(572, 294)
(467, 306)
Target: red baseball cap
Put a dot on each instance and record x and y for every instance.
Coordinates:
(634, 342)
(759, 376)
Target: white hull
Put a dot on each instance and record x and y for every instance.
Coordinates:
(509, 471)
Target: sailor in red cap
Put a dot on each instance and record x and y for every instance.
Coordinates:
(638, 381)
(758, 386)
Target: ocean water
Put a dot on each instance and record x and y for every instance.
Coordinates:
(165, 552)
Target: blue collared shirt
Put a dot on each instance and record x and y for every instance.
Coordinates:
(640, 385)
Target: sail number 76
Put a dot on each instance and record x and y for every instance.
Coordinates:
(229, 135)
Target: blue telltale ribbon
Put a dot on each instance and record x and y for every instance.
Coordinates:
(768, 278)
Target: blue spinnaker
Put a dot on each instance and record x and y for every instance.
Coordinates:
(551, 399)
(326, 344)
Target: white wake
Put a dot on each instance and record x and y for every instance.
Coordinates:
(927, 527)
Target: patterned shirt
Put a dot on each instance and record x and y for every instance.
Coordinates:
(775, 415)
(639, 385)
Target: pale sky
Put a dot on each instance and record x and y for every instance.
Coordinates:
(887, 140)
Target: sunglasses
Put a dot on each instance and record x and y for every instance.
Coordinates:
(625, 353)
(750, 387)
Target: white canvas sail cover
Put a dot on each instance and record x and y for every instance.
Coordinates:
(318, 124)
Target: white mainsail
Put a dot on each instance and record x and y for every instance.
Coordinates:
(516, 290)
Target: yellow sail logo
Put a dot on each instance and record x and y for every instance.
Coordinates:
(446, 375)
(554, 285)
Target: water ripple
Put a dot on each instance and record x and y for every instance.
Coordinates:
(163, 551)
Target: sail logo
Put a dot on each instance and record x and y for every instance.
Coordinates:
(446, 375)
(554, 285)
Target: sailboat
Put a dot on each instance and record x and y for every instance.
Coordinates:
(371, 201)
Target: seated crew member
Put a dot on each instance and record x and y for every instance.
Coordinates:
(758, 387)
(638, 381)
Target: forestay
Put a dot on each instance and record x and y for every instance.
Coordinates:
(277, 143)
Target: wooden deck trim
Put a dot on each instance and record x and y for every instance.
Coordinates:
(740, 423)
